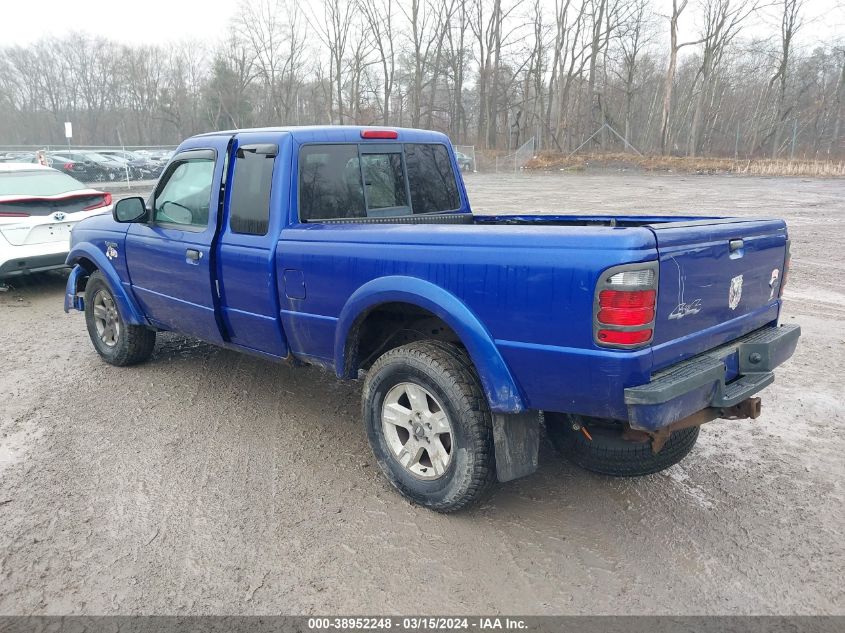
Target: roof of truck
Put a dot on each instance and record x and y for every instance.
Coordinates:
(306, 133)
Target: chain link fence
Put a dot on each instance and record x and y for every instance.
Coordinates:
(515, 161)
(466, 158)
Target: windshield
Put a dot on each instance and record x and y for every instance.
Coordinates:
(37, 183)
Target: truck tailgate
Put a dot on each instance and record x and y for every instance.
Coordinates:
(719, 279)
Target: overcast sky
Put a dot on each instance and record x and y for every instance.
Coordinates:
(161, 21)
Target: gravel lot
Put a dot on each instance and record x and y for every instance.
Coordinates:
(208, 482)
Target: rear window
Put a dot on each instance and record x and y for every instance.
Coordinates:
(37, 183)
(385, 180)
(348, 181)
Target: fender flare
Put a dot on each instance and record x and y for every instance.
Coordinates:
(498, 383)
(126, 304)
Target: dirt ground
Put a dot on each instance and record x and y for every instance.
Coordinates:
(207, 482)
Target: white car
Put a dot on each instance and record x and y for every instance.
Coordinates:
(38, 208)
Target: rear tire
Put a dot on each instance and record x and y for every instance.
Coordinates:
(426, 396)
(116, 342)
(608, 453)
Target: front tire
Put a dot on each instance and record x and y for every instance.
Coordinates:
(429, 425)
(608, 452)
(116, 342)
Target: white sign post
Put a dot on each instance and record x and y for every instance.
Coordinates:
(68, 132)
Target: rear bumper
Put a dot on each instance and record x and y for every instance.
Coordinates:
(719, 378)
(21, 265)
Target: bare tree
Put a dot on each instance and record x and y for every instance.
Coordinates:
(491, 72)
(332, 24)
(839, 105)
(789, 25)
(722, 22)
(669, 83)
(379, 16)
(635, 35)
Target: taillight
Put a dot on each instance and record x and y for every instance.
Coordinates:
(68, 166)
(625, 306)
(106, 201)
(13, 214)
(384, 134)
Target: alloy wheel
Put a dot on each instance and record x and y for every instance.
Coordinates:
(417, 431)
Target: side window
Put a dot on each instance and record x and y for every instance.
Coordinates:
(432, 180)
(249, 205)
(330, 183)
(185, 197)
(385, 181)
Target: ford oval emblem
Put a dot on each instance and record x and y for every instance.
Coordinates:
(58, 216)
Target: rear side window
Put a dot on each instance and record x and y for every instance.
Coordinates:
(330, 183)
(249, 205)
(432, 180)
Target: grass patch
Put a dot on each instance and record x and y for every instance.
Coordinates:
(547, 161)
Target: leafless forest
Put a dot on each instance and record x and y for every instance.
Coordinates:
(742, 78)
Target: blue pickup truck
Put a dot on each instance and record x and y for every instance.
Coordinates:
(355, 249)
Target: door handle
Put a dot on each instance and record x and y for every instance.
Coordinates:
(193, 256)
(735, 245)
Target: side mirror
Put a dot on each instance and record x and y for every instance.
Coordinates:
(130, 210)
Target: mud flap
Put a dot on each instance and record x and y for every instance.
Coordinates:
(517, 443)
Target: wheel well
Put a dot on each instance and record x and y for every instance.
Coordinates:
(390, 325)
(89, 267)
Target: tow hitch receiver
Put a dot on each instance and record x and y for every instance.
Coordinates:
(748, 409)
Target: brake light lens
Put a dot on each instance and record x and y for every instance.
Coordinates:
(106, 201)
(616, 337)
(68, 166)
(382, 134)
(627, 298)
(13, 214)
(625, 307)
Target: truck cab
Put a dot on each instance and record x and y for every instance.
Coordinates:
(355, 249)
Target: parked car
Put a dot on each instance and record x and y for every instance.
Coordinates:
(16, 157)
(98, 167)
(355, 249)
(161, 156)
(141, 167)
(38, 208)
(79, 170)
(465, 163)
